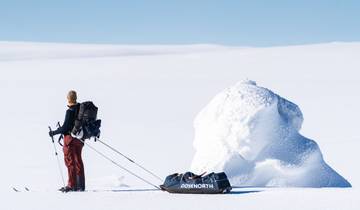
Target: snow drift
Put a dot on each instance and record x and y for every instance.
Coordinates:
(253, 135)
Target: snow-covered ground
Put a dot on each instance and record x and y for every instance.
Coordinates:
(148, 97)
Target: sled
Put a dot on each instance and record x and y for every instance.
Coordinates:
(213, 183)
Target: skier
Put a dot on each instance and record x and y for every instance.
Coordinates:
(72, 147)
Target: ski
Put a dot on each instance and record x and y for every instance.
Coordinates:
(26, 189)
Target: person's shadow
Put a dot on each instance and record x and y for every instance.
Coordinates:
(234, 191)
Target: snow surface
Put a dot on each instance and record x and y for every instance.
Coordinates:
(148, 104)
(253, 135)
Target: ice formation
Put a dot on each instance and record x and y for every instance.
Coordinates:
(253, 135)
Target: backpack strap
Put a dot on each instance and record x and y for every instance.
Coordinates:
(77, 110)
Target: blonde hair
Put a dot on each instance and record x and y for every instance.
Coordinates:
(72, 97)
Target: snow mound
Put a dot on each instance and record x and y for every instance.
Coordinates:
(253, 135)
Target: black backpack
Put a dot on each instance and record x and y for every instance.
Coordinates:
(86, 123)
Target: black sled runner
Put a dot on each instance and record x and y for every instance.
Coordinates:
(188, 182)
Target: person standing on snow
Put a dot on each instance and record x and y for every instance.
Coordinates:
(72, 147)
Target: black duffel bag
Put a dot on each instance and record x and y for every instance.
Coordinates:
(197, 184)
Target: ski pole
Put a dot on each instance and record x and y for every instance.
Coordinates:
(118, 165)
(143, 168)
(57, 157)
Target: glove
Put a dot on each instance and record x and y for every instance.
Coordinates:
(51, 133)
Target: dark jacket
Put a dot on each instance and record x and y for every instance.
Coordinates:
(69, 121)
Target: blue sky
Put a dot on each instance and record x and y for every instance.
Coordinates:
(229, 22)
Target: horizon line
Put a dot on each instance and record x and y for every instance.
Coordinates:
(174, 44)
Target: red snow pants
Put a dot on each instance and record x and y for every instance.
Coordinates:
(72, 154)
